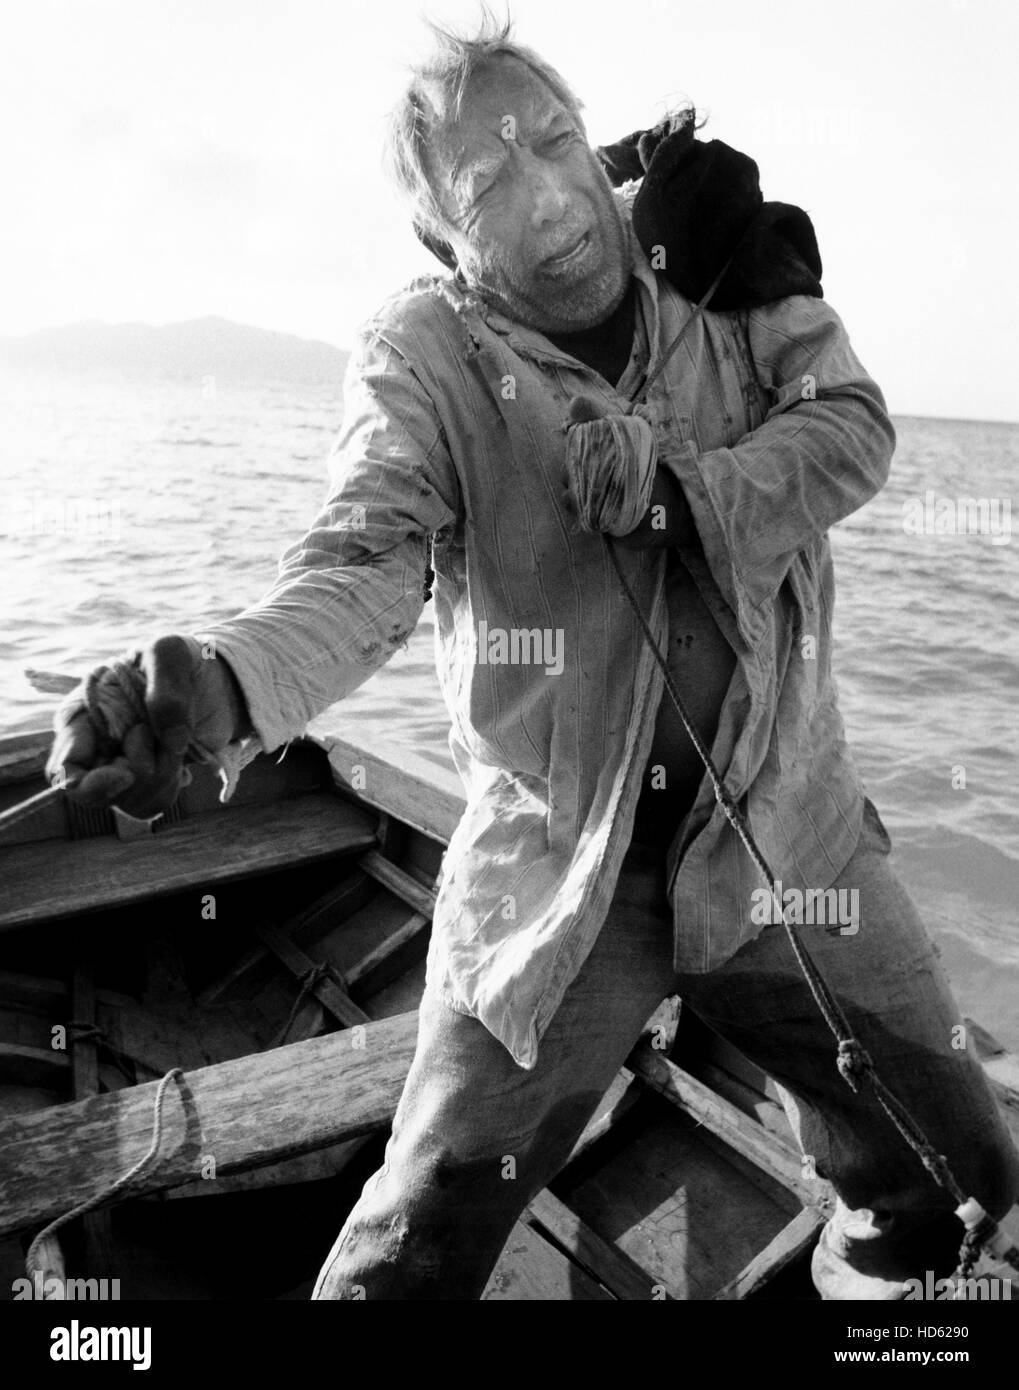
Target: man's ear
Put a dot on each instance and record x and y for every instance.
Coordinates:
(437, 246)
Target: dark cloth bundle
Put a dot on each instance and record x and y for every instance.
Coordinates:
(701, 202)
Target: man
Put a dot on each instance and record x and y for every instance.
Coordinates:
(592, 873)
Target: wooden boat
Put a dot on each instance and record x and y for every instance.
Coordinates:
(273, 949)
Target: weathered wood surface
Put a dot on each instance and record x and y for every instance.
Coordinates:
(240, 1114)
(309, 926)
(386, 961)
(326, 990)
(530, 1270)
(600, 1258)
(96, 1227)
(39, 994)
(615, 1105)
(745, 1098)
(672, 1200)
(86, 875)
(746, 1136)
(791, 1243)
(23, 756)
(44, 1067)
(310, 1167)
(84, 1053)
(394, 779)
(391, 876)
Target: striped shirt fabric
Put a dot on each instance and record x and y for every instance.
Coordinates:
(453, 443)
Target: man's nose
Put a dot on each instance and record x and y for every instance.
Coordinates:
(548, 196)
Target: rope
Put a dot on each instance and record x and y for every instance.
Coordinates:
(100, 1198)
(309, 980)
(114, 698)
(969, 1253)
(698, 309)
(85, 1032)
(853, 1060)
(125, 1063)
(854, 1063)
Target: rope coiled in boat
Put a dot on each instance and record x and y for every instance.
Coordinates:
(45, 1236)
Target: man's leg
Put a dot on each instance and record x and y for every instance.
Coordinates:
(893, 1221)
(475, 1137)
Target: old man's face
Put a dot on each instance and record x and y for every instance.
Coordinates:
(534, 223)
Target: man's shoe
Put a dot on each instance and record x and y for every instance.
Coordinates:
(837, 1280)
(868, 1255)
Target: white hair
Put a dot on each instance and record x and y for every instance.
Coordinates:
(434, 95)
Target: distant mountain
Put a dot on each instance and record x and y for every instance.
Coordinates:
(193, 349)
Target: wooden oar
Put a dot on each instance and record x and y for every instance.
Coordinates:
(15, 814)
(49, 683)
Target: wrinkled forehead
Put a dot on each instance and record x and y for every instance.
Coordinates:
(503, 100)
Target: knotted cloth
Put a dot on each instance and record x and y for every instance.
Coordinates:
(113, 696)
(610, 464)
(699, 206)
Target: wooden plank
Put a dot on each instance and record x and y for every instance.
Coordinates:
(392, 778)
(616, 1103)
(530, 1270)
(318, 920)
(332, 910)
(603, 1260)
(24, 755)
(381, 965)
(84, 1056)
(747, 1099)
(746, 1136)
(310, 1167)
(758, 1177)
(676, 1205)
(791, 1243)
(46, 996)
(391, 876)
(326, 990)
(96, 1227)
(165, 1029)
(88, 875)
(34, 1066)
(241, 1114)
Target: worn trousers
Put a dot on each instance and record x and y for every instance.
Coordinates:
(476, 1137)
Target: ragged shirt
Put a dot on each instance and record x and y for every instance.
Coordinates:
(453, 440)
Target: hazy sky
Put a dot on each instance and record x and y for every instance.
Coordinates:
(165, 161)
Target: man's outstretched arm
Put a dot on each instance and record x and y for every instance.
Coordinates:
(346, 596)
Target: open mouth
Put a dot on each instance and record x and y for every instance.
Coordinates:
(567, 258)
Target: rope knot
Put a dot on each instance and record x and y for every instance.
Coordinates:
(853, 1061)
(969, 1253)
(313, 976)
(85, 1032)
(44, 1243)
